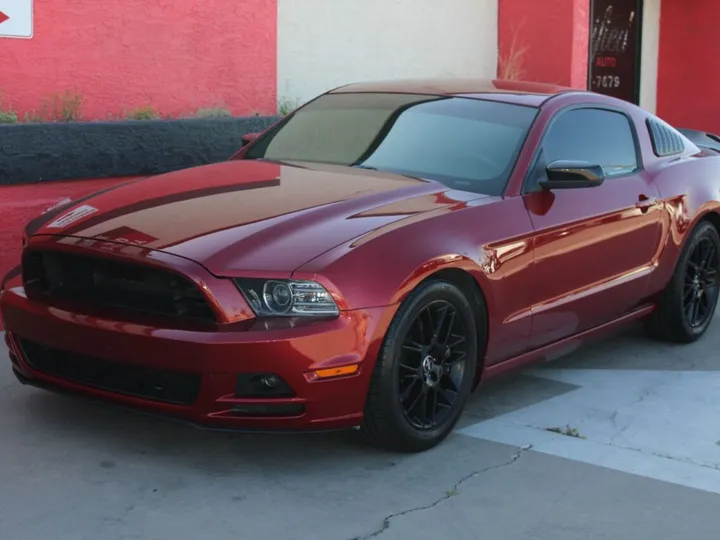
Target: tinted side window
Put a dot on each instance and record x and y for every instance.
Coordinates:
(597, 136)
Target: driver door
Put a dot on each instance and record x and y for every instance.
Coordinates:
(594, 247)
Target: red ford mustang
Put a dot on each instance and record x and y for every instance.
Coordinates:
(371, 258)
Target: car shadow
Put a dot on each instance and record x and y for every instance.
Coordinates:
(130, 433)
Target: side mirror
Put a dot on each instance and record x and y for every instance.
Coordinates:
(572, 175)
(249, 137)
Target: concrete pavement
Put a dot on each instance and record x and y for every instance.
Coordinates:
(646, 412)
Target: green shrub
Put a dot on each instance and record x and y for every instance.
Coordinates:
(8, 117)
(33, 118)
(146, 112)
(213, 112)
(286, 106)
(66, 107)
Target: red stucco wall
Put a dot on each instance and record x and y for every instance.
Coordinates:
(554, 35)
(177, 56)
(689, 65)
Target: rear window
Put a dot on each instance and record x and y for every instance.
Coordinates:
(464, 143)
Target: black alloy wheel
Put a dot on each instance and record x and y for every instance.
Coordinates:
(700, 292)
(688, 305)
(432, 365)
(426, 368)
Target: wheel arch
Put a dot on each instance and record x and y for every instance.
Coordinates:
(683, 220)
(713, 216)
(668, 321)
(473, 291)
(709, 215)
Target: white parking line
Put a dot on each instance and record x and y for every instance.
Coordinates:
(658, 424)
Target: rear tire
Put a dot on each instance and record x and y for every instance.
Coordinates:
(688, 305)
(425, 370)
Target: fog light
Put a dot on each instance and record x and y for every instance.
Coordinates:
(261, 385)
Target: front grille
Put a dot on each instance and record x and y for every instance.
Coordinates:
(103, 283)
(176, 387)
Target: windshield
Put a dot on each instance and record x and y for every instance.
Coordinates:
(466, 144)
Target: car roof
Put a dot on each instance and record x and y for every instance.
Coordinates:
(519, 92)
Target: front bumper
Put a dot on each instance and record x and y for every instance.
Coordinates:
(214, 360)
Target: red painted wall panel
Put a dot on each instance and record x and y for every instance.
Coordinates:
(554, 35)
(177, 56)
(689, 65)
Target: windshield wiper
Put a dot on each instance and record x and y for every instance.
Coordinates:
(366, 167)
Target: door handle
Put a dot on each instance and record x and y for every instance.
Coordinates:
(645, 203)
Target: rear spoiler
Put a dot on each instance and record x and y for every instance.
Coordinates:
(703, 139)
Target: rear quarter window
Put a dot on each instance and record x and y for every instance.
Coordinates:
(666, 141)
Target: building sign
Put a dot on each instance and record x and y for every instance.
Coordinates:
(16, 19)
(614, 62)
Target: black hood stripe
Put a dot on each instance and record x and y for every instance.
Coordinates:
(159, 201)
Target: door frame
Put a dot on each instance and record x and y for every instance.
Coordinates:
(640, 4)
(531, 169)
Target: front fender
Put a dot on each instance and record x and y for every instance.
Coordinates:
(491, 241)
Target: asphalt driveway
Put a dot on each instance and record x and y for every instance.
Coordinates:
(620, 439)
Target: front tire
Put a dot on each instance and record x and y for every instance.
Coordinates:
(425, 370)
(688, 305)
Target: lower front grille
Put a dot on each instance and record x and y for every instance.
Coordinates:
(176, 387)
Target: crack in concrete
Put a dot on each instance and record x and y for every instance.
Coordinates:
(633, 449)
(664, 456)
(619, 431)
(645, 393)
(452, 492)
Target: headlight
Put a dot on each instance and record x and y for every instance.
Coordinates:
(287, 298)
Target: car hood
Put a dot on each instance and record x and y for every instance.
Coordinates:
(248, 215)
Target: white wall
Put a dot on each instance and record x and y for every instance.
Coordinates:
(650, 52)
(323, 44)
